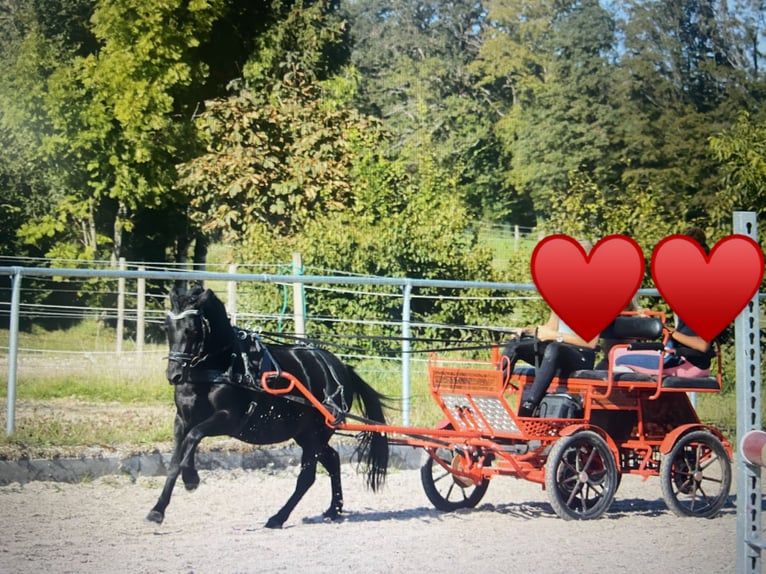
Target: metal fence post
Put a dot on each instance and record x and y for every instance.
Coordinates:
(120, 308)
(140, 311)
(299, 299)
(13, 351)
(231, 296)
(747, 333)
(406, 348)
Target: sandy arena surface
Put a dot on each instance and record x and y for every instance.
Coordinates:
(99, 526)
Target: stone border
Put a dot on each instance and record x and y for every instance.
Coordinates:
(155, 463)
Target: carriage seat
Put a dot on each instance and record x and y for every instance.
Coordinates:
(693, 383)
(670, 382)
(528, 371)
(617, 376)
(623, 327)
(646, 329)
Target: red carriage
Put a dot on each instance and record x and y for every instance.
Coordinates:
(592, 427)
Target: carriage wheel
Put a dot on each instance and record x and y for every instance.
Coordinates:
(581, 476)
(696, 475)
(444, 489)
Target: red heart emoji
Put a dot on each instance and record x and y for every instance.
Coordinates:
(587, 291)
(707, 291)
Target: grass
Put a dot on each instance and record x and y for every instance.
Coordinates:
(73, 389)
(58, 424)
(503, 244)
(386, 378)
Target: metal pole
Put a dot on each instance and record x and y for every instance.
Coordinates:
(747, 332)
(120, 308)
(299, 298)
(231, 296)
(406, 348)
(13, 351)
(140, 311)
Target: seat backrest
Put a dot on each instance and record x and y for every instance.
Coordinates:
(634, 327)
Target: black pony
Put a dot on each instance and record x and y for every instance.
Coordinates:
(216, 371)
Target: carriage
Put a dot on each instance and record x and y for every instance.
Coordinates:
(591, 428)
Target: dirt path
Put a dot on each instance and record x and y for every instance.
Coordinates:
(99, 527)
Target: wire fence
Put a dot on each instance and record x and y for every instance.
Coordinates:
(132, 301)
(56, 301)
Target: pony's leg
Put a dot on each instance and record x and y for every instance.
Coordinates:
(183, 455)
(190, 476)
(331, 461)
(189, 473)
(306, 478)
(157, 514)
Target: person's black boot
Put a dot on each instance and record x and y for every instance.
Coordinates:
(527, 409)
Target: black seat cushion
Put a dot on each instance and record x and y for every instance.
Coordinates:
(524, 371)
(633, 327)
(603, 375)
(702, 383)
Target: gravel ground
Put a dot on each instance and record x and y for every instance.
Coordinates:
(99, 526)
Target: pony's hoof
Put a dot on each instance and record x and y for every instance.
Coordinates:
(155, 516)
(274, 523)
(332, 517)
(191, 479)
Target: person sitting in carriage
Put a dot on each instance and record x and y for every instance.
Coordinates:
(554, 349)
(690, 355)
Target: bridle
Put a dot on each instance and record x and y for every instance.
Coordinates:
(238, 349)
(197, 354)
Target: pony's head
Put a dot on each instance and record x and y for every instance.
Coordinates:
(193, 325)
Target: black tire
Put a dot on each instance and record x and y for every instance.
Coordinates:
(444, 489)
(696, 475)
(581, 476)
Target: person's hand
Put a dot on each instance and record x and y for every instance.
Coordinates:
(671, 331)
(519, 332)
(545, 333)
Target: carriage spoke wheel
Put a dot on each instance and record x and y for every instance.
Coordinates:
(696, 475)
(444, 489)
(581, 476)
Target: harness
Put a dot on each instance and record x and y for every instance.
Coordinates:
(246, 350)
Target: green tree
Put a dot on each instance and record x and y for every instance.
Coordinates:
(688, 74)
(553, 64)
(414, 58)
(571, 124)
(279, 148)
(415, 226)
(588, 211)
(742, 153)
(110, 92)
(33, 44)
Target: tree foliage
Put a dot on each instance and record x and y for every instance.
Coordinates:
(112, 95)
(414, 60)
(278, 149)
(742, 151)
(688, 80)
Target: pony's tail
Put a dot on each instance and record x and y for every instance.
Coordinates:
(372, 451)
